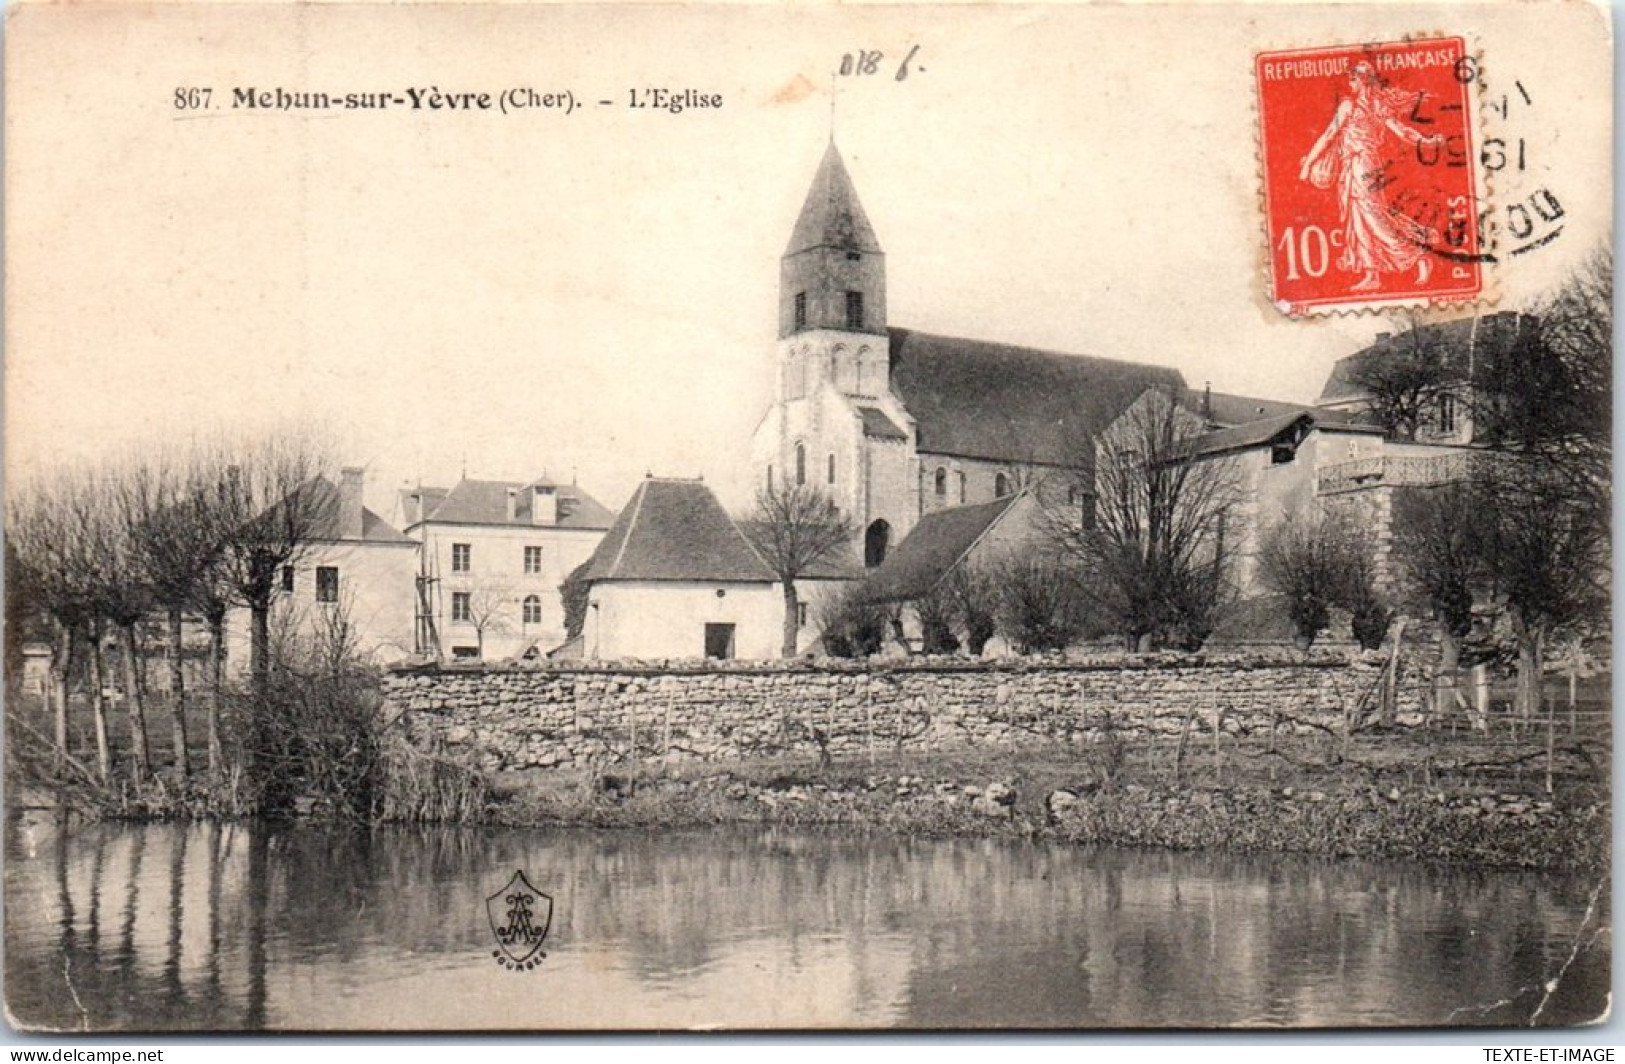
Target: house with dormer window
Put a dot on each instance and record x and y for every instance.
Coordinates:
(492, 554)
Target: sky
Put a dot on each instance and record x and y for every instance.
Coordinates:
(593, 295)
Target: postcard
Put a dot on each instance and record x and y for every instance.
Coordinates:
(557, 517)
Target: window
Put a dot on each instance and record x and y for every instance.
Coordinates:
(770, 476)
(801, 464)
(1001, 486)
(1447, 414)
(533, 559)
(533, 609)
(854, 310)
(801, 615)
(961, 485)
(287, 578)
(461, 609)
(327, 583)
(942, 483)
(832, 469)
(801, 310)
(465, 653)
(1282, 453)
(462, 557)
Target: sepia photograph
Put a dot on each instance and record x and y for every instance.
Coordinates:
(807, 518)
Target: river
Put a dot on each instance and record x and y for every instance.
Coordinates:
(247, 926)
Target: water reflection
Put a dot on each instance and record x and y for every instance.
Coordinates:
(224, 926)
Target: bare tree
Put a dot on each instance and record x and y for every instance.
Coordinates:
(51, 562)
(1316, 563)
(1404, 378)
(271, 505)
(973, 593)
(1040, 602)
(795, 528)
(119, 591)
(489, 606)
(1438, 543)
(165, 504)
(1158, 530)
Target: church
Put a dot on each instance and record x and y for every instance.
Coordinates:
(895, 424)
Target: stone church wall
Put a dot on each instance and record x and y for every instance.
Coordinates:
(577, 716)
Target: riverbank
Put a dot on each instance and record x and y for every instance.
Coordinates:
(1267, 806)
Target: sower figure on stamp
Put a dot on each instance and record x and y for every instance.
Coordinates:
(1377, 239)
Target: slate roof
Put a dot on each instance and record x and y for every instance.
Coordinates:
(1267, 430)
(974, 399)
(485, 502)
(1469, 343)
(932, 549)
(877, 425)
(1226, 411)
(676, 530)
(831, 215)
(322, 495)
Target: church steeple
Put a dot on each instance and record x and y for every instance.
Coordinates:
(833, 274)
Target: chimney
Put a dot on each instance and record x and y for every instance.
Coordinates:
(513, 504)
(544, 505)
(351, 479)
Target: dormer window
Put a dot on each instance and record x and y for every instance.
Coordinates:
(854, 310)
(801, 310)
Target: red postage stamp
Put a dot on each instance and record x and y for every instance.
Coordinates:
(1370, 163)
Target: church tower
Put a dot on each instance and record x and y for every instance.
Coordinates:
(832, 293)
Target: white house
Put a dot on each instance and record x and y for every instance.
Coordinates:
(357, 572)
(675, 578)
(493, 556)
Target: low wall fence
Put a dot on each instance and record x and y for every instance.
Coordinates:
(593, 714)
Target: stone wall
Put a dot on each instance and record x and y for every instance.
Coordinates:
(584, 714)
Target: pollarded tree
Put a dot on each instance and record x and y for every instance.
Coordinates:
(1315, 563)
(1157, 529)
(1438, 535)
(271, 507)
(795, 528)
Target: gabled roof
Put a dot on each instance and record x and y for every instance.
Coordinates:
(831, 216)
(319, 498)
(1227, 411)
(1291, 425)
(938, 542)
(877, 425)
(485, 502)
(974, 399)
(676, 530)
(1468, 345)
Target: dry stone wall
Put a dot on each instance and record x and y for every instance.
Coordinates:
(584, 715)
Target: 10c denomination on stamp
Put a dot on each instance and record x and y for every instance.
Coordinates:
(1370, 163)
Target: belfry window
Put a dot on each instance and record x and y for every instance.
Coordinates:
(801, 464)
(854, 310)
(801, 310)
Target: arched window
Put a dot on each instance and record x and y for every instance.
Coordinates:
(832, 468)
(942, 483)
(533, 609)
(961, 485)
(1001, 486)
(801, 464)
(875, 542)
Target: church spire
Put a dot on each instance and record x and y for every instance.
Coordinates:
(833, 274)
(831, 216)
